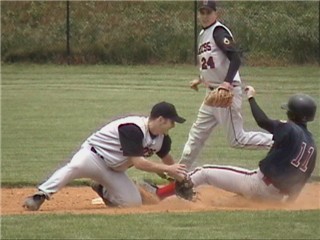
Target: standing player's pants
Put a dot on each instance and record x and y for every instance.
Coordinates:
(237, 180)
(120, 190)
(230, 118)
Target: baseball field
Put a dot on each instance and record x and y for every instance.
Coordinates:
(47, 111)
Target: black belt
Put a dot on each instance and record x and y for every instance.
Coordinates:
(95, 151)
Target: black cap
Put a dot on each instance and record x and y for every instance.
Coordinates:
(166, 110)
(211, 5)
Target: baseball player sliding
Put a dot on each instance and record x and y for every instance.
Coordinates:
(219, 62)
(284, 171)
(106, 155)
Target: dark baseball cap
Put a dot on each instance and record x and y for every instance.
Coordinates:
(166, 110)
(211, 5)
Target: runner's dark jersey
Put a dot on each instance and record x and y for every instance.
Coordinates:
(291, 160)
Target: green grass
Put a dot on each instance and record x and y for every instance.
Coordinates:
(209, 225)
(48, 111)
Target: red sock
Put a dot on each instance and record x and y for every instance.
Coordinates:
(166, 191)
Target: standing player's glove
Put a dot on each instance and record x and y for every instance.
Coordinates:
(184, 189)
(219, 97)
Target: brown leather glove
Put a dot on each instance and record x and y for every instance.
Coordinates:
(184, 189)
(219, 97)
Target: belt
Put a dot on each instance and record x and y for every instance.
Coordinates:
(95, 151)
(213, 88)
(269, 181)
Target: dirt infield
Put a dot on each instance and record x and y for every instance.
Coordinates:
(78, 200)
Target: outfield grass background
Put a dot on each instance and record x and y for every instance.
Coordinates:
(48, 111)
(210, 225)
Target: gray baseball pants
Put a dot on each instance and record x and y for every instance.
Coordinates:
(231, 119)
(119, 188)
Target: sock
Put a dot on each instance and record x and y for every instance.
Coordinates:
(166, 191)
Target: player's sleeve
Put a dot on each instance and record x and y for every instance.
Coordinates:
(131, 137)
(261, 118)
(165, 148)
(226, 43)
(282, 131)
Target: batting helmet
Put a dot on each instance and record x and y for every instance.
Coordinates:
(300, 108)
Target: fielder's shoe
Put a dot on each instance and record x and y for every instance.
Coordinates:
(34, 202)
(98, 188)
(149, 186)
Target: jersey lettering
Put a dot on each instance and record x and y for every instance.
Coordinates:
(148, 152)
(303, 157)
(204, 48)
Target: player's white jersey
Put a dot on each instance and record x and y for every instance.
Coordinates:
(106, 141)
(214, 64)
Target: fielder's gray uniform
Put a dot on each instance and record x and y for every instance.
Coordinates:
(214, 65)
(101, 158)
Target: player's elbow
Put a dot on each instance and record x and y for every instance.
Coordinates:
(265, 124)
(237, 60)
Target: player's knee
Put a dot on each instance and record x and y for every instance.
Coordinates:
(236, 143)
(130, 201)
(74, 168)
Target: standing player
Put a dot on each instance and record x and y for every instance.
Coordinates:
(106, 155)
(283, 173)
(219, 64)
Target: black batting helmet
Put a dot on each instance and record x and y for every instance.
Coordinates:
(300, 108)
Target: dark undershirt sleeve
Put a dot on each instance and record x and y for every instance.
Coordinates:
(131, 138)
(226, 43)
(261, 118)
(165, 148)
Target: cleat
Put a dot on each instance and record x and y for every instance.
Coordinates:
(149, 186)
(34, 202)
(98, 188)
(148, 191)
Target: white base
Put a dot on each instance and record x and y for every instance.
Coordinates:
(97, 201)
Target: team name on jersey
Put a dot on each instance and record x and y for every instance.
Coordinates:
(204, 48)
(148, 152)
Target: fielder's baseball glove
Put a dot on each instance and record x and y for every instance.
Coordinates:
(219, 97)
(184, 189)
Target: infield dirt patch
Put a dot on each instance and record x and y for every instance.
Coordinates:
(78, 200)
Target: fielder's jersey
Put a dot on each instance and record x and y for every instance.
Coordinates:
(214, 63)
(107, 143)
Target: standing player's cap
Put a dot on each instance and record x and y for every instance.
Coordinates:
(166, 110)
(211, 5)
